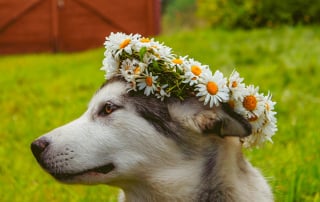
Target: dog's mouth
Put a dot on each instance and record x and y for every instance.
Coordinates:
(105, 169)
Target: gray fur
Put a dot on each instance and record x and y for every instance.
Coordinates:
(204, 161)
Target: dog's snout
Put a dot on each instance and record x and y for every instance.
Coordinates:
(38, 146)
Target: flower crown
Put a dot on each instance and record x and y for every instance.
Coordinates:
(151, 67)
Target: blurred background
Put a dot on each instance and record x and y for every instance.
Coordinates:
(246, 14)
(51, 52)
(73, 25)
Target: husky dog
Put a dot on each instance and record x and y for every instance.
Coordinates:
(154, 150)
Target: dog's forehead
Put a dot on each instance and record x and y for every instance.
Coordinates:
(110, 91)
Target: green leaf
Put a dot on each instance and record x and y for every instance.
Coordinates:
(155, 65)
(142, 52)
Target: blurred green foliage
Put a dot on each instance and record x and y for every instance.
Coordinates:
(178, 14)
(258, 13)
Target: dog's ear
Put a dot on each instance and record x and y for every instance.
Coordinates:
(221, 121)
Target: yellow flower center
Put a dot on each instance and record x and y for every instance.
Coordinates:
(196, 70)
(127, 67)
(234, 84)
(177, 61)
(212, 88)
(250, 102)
(149, 81)
(125, 43)
(144, 40)
(137, 70)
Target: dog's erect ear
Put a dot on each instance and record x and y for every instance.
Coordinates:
(221, 121)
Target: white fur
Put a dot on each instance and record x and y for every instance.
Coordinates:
(148, 165)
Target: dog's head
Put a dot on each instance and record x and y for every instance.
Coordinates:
(123, 135)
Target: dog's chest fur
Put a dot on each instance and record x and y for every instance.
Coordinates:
(222, 174)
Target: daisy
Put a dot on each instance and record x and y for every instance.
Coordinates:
(179, 62)
(146, 40)
(147, 83)
(235, 85)
(161, 51)
(213, 89)
(257, 122)
(264, 126)
(270, 126)
(269, 129)
(269, 107)
(110, 66)
(251, 104)
(161, 93)
(263, 135)
(143, 42)
(193, 71)
(139, 67)
(255, 139)
(127, 69)
(119, 42)
(148, 58)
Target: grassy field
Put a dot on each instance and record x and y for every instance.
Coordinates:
(40, 92)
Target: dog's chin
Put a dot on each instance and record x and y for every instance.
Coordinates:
(90, 176)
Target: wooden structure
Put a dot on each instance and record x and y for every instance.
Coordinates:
(72, 25)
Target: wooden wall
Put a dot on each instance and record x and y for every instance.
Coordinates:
(72, 25)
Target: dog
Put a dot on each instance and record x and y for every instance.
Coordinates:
(154, 150)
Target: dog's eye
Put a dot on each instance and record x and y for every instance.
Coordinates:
(107, 109)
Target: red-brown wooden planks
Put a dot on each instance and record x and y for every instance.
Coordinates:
(71, 25)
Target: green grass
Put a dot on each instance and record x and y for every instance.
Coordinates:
(41, 92)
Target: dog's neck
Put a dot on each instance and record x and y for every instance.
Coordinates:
(185, 180)
(172, 183)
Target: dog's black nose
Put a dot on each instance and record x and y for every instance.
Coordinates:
(38, 146)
